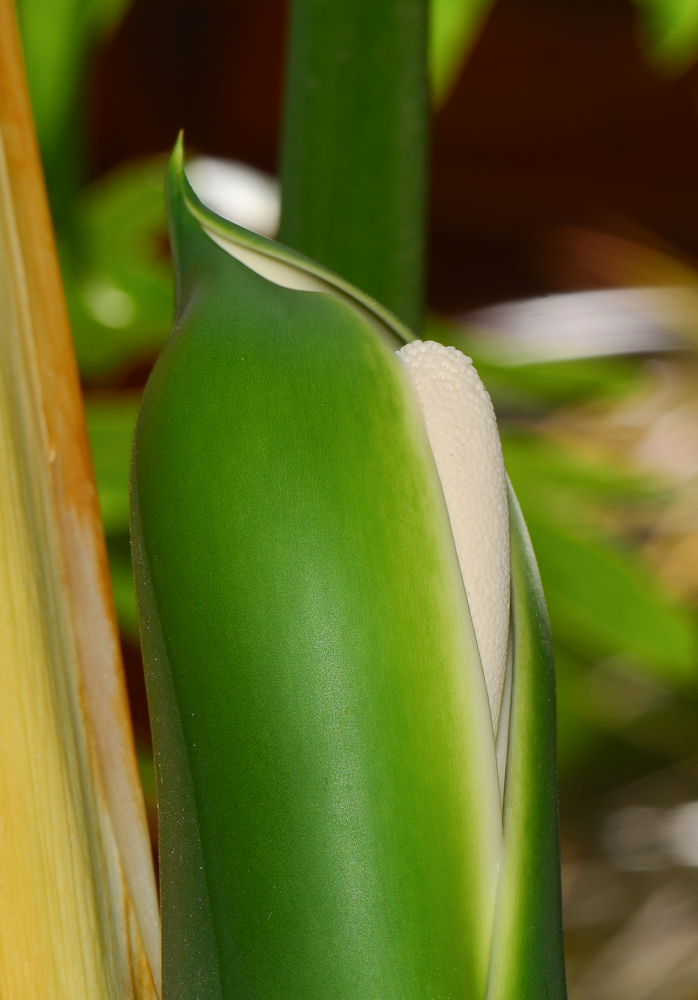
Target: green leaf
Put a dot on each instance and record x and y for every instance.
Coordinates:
(328, 795)
(355, 145)
(58, 37)
(110, 423)
(146, 771)
(537, 387)
(527, 949)
(569, 485)
(281, 264)
(603, 599)
(453, 28)
(603, 602)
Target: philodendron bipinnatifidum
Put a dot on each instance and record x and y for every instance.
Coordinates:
(354, 732)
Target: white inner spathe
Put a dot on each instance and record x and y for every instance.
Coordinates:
(237, 192)
(270, 268)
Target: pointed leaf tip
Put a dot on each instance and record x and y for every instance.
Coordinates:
(268, 258)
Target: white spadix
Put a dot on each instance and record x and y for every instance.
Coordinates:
(462, 431)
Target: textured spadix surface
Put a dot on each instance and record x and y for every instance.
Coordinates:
(329, 804)
(463, 435)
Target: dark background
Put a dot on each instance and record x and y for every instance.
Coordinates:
(557, 120)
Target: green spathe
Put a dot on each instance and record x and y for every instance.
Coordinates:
(329, 803)
(527, 961)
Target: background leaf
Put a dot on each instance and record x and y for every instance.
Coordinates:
(110, 423)
(453, 29)
(117, 271)
(58, 37)
(671, 31)
(353, 167)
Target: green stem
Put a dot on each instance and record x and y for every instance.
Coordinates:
(355, 144)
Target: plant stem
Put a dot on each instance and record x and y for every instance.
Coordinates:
(355, 138)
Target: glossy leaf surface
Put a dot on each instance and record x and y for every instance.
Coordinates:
(329, 804)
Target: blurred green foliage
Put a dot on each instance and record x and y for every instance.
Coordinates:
(110, 422)
(453, 29)
(626, 648)
(116, 271)
(59, 38)
(668, 28)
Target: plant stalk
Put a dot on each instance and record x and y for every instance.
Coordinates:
(355, 144)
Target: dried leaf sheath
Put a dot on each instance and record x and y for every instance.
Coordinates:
(78, 914)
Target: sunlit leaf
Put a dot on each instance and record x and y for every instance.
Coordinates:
(122, 585)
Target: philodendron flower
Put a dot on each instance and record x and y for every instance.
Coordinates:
(354, 733)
